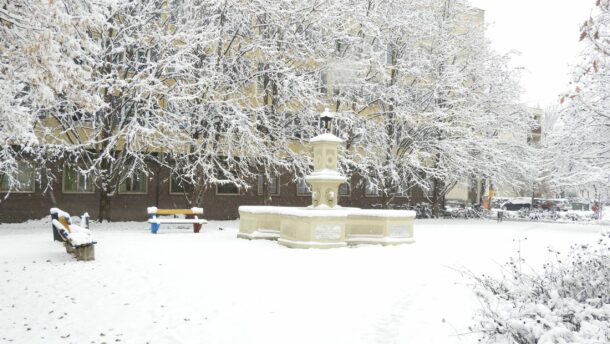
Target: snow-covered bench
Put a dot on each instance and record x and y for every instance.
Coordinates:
(78, 240)
(155, 221)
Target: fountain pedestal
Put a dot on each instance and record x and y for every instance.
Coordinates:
(323, 223)
(325, 179)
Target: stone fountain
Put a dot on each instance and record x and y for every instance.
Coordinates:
(325, 224)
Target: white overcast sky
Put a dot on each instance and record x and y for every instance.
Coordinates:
(546, 33)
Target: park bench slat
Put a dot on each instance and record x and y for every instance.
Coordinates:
(177, 212)
(178, 221)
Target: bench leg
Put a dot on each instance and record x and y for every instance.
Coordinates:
(85, 253)
(56, 236)
(69, 248)
(196, 227)
(154, 227)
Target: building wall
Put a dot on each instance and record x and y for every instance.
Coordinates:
(459, 192)
(19, 207)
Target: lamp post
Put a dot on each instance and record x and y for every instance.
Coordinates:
(326, 119)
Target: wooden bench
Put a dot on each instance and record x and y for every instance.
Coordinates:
(77, 240)
(155, 221)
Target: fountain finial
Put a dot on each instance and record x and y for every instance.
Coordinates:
(326, 119)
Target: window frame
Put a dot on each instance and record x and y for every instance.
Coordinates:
(277, 185)
(63, 183)
(171, 184)
(323, 82)
(299, 194)
(428, 193)
(261, 69)
(145, 192)
(366, 192)
(238, 193)
(400, 192)
(32, 180)
(349, 190)
(260, 184)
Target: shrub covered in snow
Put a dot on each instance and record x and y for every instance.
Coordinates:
(567, 302)
(539, 215)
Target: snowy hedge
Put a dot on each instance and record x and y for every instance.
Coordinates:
(568, 302)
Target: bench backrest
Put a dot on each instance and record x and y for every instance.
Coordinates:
(62, 217)
(192, 211)
(63, 231)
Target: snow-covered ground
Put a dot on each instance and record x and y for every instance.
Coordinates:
(181, 287)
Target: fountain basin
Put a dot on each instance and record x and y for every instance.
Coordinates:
(325, 227)
(384, 227)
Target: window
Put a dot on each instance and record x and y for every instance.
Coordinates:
(83, 117)
(293, 123)
(339, 46)
(345, 189)
(261, 76)
(304, 33)
(227, 188)
(117, 53)
(389, 57)
(23, 181)
(142, 58)
(369, 95)
(179, 186)
(429, 192)
(302, 127)
(402, 191)
(75, 181)
(323, 83)
(302, 188)
(336, 88)
(274, 187)
(261, 22)
(260, 184)
(371, 190)
(136, 184)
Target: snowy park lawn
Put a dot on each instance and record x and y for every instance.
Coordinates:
(181, 287)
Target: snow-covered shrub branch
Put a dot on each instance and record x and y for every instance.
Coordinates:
(567, 302)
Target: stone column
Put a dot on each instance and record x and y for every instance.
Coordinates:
(325, 179)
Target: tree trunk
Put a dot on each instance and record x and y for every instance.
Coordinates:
(266, 190)
(387, 200)
(158, 185)
(435, 198)
(106, 183)
(482, 190)
(532, 201)
(198, 192)
(104, 211)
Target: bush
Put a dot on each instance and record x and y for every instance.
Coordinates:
(568, 302)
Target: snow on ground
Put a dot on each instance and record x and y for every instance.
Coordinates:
(181, 287)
